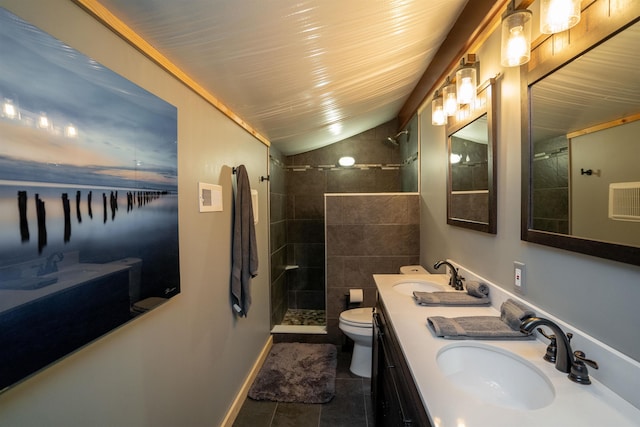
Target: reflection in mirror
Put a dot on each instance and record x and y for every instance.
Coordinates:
(471, 190)
(584, 151)
(469, 180)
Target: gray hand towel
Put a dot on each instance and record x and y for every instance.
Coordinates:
(244, 247)
(513, 313)
(449, 298)
(477, 289)
(474, 327)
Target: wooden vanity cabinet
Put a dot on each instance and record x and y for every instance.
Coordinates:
(396, 400)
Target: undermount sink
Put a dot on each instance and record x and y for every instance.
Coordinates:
(495, 375)
(409, 286)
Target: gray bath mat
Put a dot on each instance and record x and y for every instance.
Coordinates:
(298, 373)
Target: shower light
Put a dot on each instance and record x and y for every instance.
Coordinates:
(558, 15)
(516, 37)
(346, 161)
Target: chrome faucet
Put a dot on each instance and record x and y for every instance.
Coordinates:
(51, 265)
(565, 361)
(455, 280)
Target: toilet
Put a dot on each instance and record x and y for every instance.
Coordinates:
(357, 324)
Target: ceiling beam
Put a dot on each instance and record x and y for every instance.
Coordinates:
(475, 18)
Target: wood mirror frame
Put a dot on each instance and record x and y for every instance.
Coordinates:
(486, 106)
(549, 54)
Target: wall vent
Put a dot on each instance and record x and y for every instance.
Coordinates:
(624, 201)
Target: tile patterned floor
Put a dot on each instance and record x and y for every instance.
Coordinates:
(351, 406)
(304, 317)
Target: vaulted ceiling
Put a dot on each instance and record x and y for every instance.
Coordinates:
(304, 73)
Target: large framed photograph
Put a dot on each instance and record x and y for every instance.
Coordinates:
(88, 200)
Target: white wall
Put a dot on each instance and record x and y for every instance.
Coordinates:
(183, 363)
(598, 296)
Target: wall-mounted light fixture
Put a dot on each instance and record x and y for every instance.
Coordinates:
(457, 94)
(558, 15)
(466, 81)
(346, 161)
(516, 36)
(438, 116)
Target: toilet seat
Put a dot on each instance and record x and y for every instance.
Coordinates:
(358, 317)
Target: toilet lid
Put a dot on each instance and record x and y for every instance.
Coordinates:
(362, 317)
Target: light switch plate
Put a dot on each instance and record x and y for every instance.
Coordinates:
(209, 197)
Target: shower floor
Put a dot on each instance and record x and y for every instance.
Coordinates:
(304, 317)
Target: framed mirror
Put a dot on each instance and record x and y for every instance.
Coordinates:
(581, 179)
(471, 183)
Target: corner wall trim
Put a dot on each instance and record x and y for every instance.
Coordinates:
(234, 410)
(116, 25)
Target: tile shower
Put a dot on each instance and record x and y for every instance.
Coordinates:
(297, 188)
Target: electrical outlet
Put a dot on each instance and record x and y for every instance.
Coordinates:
(519, 277)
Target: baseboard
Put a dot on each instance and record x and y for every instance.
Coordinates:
(244, 390)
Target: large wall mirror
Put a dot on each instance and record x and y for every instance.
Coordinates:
(581, 182)
(471, 184)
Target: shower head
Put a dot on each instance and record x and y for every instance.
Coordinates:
(394, 139)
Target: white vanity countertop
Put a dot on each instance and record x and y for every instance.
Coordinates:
(449, 406)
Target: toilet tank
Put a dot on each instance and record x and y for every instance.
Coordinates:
(413, 269)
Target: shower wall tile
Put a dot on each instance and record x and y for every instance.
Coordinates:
(278, 235)
(335, 270)
(278, 263)
(308, 206)
(305, 231)
(333, 210)
(305, 279)
(309, 254)
(373, 240)
(278, 207)
(391, 209)
(311, 181)
(367, 235)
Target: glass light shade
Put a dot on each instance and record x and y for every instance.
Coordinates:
(558, 15)
(516, 38)
(466, 85)
(449, 99)
(346, 161)
(438, 116)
